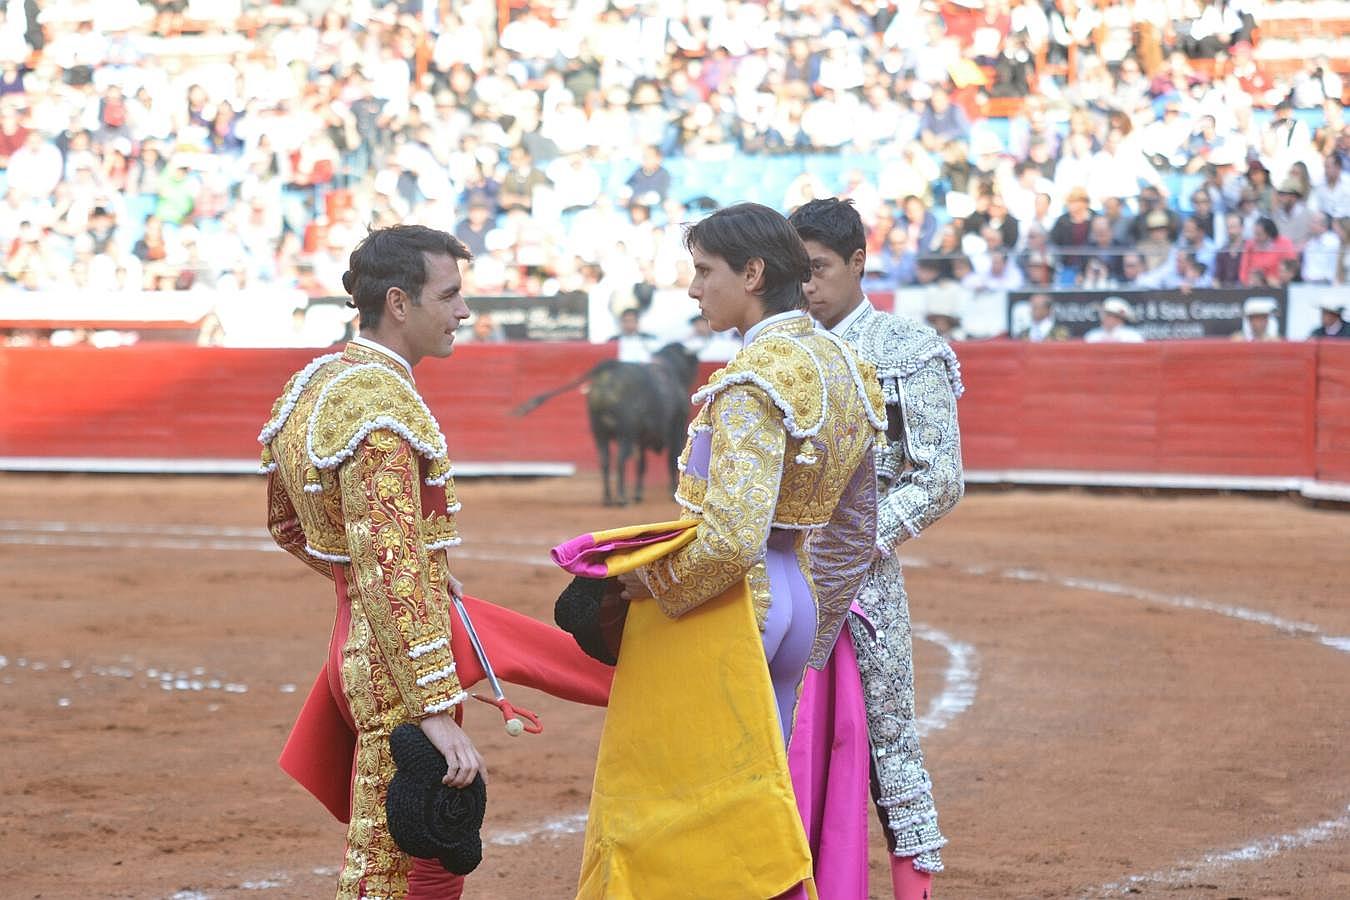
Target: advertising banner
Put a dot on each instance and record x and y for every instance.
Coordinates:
(562, 317)
(1158, 315)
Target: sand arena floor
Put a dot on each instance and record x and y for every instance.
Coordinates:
(1123, 695)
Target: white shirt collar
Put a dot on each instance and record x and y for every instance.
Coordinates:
(843, 325)
(381, 348)
(764, 323)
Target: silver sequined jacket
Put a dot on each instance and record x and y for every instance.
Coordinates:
(920, 381)
(919, 481)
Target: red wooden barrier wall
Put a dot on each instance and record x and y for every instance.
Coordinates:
(1333, 411)
(1185, 407)
(1179, 407)
(162, 401)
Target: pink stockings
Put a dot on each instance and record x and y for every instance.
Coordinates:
(909, 882)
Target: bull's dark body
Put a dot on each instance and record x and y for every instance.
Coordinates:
(635, 408)
(639, 407)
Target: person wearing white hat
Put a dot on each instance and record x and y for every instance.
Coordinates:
(986, 143)
(986, 152)
(1333, 324)
(942, 310)
(1115, 313)
(1291, 215)
(1259, 322)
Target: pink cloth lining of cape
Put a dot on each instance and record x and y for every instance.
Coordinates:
(583, 556)
(829, 759)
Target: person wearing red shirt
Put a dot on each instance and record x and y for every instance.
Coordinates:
(1251, 79)
(12, 134)
(1264, 254)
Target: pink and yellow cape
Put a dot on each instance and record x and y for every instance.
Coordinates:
(692, 795)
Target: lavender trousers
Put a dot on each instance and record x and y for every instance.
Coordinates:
(790, 627)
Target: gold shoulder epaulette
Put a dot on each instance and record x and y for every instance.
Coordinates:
(366, 398)
(285, 404)
(785, 369)
(864, 379)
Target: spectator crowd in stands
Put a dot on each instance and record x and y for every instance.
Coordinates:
(994, 144)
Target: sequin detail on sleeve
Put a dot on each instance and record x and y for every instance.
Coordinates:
(283, 522)
(391, 568)
(748, 446)
(932, 483)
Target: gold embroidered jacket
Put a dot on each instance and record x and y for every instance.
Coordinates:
(348, 449)
(791, 420)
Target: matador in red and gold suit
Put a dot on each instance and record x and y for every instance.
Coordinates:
(360, 489)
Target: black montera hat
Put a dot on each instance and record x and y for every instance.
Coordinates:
(428, 819)
(590, 610)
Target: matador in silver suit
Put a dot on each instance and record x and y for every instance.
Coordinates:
(919, 480)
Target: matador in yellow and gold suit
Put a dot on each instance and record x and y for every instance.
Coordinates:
(779, 487)
(360, 489)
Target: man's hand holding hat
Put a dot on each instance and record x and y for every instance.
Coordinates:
(426, 818)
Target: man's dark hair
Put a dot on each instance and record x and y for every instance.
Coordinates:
(394, 257)
(833, 223)
(1267, 224)
(749, 231)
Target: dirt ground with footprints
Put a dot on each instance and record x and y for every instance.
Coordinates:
(1123, 695)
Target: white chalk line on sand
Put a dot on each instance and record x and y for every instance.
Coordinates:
(1291, 627)
(960, 680)
(1179, 876)
(275, 880)
(1187, 872)
(553, 828)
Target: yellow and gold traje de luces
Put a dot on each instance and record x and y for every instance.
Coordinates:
(692, 796)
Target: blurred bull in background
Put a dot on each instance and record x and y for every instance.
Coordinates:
(637, 406)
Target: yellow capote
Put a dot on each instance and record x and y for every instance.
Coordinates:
(692, 795)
